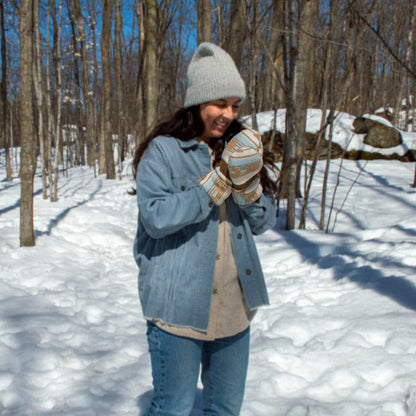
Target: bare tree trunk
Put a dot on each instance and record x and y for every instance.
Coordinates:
(326, 87)
(50, 125)
(107, 137)
(237, 30)
(308, 183)
(333, 102)
(221, 32)
(254, 54)
(12, 138)
(38, 83)
(354, 36)
(288, 184)
(398, 76)
(28, 143)
(56, 156)
(413, 114)
(204, 21)
(410, 46)
(95, 141)
(119, 85)
(79, 141)
(414, 178)
(304, 82)
(4, 130)
(151, 65)
(408, 62)
(87, 91)
(273, 73)
(140, 128)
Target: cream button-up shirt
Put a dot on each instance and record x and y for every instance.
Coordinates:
(229, 313)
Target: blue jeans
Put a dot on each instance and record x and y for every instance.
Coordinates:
(176, 362)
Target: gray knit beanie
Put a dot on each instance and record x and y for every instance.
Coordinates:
(212, 75)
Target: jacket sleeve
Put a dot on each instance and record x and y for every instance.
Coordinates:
(261, 215)
(162, 209)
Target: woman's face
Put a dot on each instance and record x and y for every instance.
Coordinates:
(217, 116)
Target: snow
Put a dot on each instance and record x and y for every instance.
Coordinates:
(339, 338)
(343, 132)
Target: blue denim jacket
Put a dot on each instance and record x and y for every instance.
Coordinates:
(176, 241)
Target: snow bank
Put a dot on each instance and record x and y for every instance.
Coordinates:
(343, 133)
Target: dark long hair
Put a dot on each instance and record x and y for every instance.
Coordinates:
(186, 124)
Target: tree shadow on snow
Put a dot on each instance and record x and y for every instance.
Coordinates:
(144, 400)
(339, 255)
(55, 221)
(17, 203)
(383, 180)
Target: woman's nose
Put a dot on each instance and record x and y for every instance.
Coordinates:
(228, 112)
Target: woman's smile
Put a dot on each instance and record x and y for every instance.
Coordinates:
(217, 116)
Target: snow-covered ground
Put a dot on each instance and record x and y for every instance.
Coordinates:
(343, 132)
(339, 338)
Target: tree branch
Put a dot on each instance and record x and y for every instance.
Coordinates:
(383, 41)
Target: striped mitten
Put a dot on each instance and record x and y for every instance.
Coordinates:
(249, 192)
(216, 185)
(244, 156)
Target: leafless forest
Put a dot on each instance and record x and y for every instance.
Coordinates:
(84, 74)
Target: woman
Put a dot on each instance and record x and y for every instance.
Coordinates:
(202, 191)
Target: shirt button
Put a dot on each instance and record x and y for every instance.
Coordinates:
(183, 188)
(214, 291)
(239, 236)
(211, 204)
(248, 271)
(218, 256)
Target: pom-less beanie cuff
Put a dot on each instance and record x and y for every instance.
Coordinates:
(212, 75)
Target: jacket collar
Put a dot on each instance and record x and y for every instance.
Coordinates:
(186, 144)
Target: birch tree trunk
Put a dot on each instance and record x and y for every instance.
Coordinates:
(28, 143)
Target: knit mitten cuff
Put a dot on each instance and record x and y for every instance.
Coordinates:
(216, 185)
(249, 194)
